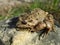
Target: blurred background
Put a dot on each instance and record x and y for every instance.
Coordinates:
(13, 8)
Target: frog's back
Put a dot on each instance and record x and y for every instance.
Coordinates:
(38, 14)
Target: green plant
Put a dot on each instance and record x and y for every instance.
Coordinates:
(50, 5)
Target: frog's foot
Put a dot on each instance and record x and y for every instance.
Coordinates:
(43, 33)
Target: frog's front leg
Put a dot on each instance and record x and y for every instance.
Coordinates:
(45, 30)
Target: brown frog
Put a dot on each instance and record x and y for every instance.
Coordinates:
(36, 20)
(31, 19)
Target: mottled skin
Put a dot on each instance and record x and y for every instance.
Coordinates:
(47, 25)
(36, 20)
(31, 19)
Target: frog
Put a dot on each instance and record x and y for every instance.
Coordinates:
(37, 20)
(31, 19)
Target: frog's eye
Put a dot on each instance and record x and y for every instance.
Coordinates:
(24, 22)
(30, 20)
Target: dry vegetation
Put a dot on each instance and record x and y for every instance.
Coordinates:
(12, 8)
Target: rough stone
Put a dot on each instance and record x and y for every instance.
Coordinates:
(10, 36)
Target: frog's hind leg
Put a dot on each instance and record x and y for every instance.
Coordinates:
(43, 33)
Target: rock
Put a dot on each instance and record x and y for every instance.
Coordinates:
(26, 38)
(10, 36)
(6, 34)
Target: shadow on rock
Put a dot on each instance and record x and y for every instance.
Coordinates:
(12, 23)
(1, 43)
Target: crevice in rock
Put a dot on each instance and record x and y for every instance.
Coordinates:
(11, 40)
(1, 43)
